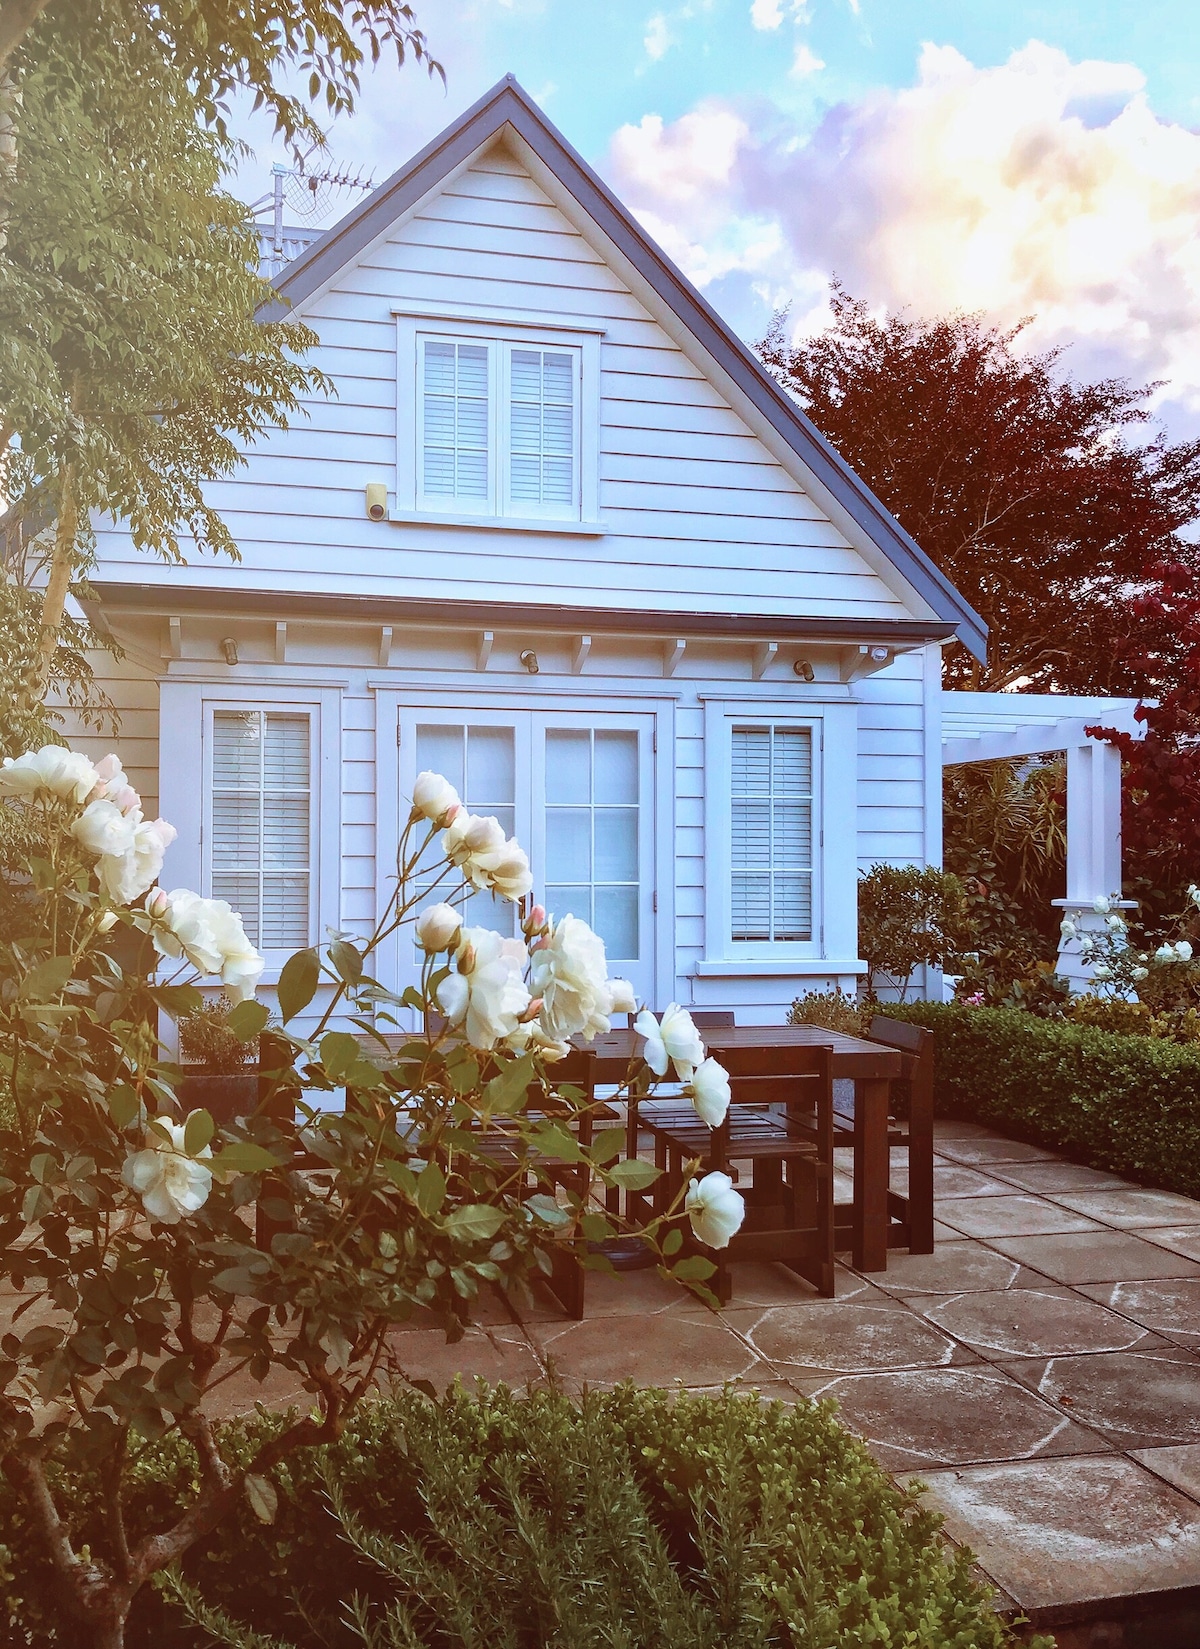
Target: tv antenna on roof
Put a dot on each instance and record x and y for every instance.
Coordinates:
(306, 193)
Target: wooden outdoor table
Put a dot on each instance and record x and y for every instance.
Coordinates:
(871, 1066)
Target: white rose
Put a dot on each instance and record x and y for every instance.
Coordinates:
(1102, 905)
(1101, 971)
(1194, 894)
(169, 1181)
(476, 844)
(1140, 973)
(715, 1209)
(209, 932)
(621, 998)
(709, 1090)
(570, 974)
(63, 772)
(103, 828)
(487, 996)
(437, 928)
(113, 785)
(655, 1051)
(680, 1036)
(1183, 951)
(1067, 928)
(1115, 923)
(530, 1037)
(1165, 953)
(435, 798)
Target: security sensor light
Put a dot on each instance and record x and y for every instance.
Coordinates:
(229, 648)
(376, 500)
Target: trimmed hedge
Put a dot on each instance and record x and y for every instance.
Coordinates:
(637, 1517)
(1129, 1104)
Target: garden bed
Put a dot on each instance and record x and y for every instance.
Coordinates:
(1130, 1104)
(637, 1516)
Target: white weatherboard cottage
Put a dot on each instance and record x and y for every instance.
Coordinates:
(559, 536)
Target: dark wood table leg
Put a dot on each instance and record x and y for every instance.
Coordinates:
(871, 1172)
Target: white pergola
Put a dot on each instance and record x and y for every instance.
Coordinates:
(979, 727)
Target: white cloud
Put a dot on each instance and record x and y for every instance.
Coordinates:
(659, 39)
(1040, 187)
(805, 62)
(766, 14)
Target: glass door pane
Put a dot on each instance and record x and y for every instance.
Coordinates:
(592, 833)
(481, 764)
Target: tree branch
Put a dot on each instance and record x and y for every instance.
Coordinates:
(17, 17)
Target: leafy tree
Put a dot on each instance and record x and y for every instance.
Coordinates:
(908, 917)
(1029, 491)
(133, 368)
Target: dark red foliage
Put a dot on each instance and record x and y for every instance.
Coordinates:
(1161, 813)
(1025, 488)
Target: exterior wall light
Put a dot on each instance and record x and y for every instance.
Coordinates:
(530, 660)
(229, 648)
(804, 669)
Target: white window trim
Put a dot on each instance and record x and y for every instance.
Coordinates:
(500, 706)
(185, 717)
(408, 506)
(834, 730)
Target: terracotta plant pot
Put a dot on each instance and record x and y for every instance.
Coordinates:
(223, 1094)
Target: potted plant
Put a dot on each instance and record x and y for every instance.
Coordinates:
(220, 1069)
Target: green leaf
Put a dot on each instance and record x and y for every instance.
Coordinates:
(673, 1241)
(244, 1157)
(476, 1223)
(198, 1132)
(298, 983)
(431, 1188)
(177, 1000)
(340, 1053)
(693, 1268)
(463, 1074)
(347, 962)
(263, 1498)
(47, 979)
(633, 1174)
(550, 1140)
(606, 1144)
(247, 1020)
(505, 1092)
(123, 1105)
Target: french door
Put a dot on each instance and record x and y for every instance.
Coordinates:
(577, 791)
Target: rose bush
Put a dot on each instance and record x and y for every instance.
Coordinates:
(155, 1255)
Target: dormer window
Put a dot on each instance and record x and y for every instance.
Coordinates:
(497, 426)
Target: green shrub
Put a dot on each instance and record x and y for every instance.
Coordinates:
(1127, 1103)
(834, 1010)
(908, 918)
(645, 1518)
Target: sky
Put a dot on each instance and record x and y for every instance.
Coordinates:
(1000, 156)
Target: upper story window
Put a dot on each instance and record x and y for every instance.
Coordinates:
(501, 427)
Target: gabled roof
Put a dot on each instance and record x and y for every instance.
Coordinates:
(508, 105)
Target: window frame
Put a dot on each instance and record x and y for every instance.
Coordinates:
(501, 337)
(186, 715)
(834, 732)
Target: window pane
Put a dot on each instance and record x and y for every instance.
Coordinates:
(568, 844)
(491, 768)
(542, 427)
(616, 767)
(568, 765)
(262, 821)
(455, 406)
(772, 845)
(569, 901)
(440, 750)
(617, 922)
(616, 844)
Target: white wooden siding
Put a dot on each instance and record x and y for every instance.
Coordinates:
(699, 515)
(132, 686)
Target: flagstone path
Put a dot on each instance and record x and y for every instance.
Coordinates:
(1038, 1373)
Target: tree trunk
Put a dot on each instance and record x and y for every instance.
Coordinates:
(62, 564)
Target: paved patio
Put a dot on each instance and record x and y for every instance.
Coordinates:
(1038, 1373)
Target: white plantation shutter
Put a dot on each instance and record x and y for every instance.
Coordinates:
(455, 420)
(262, 822)
(772, 847)
(542, 419)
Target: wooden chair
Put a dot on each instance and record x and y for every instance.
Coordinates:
(911, 1217)
(780, 1121)
(712, 1019)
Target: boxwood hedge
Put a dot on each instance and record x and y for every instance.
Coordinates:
(1130, 1104)
(643, 1518)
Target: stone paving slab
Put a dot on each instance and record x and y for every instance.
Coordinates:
(1096, 1256)
(1179, 1239)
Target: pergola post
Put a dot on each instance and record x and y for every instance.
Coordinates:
(1093, 849)
(1000, 726)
